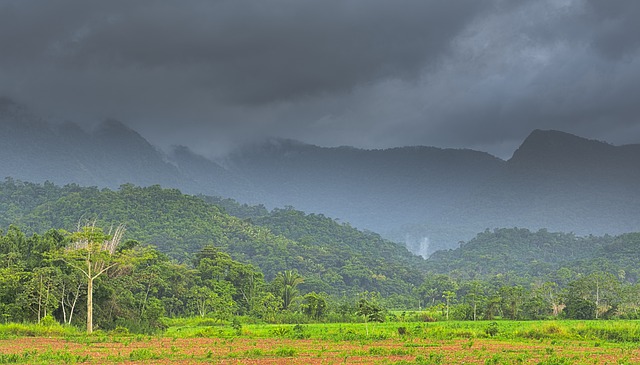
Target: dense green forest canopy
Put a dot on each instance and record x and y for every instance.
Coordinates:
(334, 258)
(212, 257)
(526, 256)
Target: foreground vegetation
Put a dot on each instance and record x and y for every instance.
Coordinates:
(199, 341)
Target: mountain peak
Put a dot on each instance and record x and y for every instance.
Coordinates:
(551, 136)
(113, 126)
(114, 130)
(552, 147)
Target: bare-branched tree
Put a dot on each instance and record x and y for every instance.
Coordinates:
(93, 253)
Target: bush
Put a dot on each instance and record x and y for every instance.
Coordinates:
(462, 312)
(207, 322)
(49, 321)
(291, 317)
(492, 329)
(281, 331)
(425, 317)
(120, 331)
(299, 332)
(237, 326)
(35, 330)
(139, 326)
(578, 308)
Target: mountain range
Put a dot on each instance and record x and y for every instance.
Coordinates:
(430, 198)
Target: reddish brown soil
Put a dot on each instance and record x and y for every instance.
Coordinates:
(311, 352)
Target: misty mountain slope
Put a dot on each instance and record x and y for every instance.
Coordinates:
(200, 175)
(110, 155)
(555, 180)
(116, 154)
(551, 157)
(562, 182)
(430, 198)
(28, 146)
(555, 151)
(375, 189)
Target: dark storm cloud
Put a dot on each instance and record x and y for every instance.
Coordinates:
(246, 51)
(370, 73)
(617, 26)
(567, 65)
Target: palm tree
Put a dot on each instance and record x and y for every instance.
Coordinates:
(289, 280)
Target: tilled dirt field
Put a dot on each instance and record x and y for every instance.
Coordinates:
(153, 350)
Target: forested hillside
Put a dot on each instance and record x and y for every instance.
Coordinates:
(252, 253)
(333, 258)
(517, 255)
(522, 254)
(512, 272)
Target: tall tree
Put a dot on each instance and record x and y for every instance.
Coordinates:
(600, 288)
(369, 308)
(448, 297)
(315, 305)
(511, 299)
(40, 291)
(475, 295)
(288, 281)
(93, 253)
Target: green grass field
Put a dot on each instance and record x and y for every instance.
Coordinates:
(195, 340)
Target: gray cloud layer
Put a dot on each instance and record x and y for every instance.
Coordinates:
(370, 73)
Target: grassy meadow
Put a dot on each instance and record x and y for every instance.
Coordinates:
(204, 341)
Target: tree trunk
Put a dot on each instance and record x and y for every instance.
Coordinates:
(366, 325)
(64, 310)
(447, 309)
(597, 297)
(475, 310)
(75, 300)
(90, 305)
(40, 300)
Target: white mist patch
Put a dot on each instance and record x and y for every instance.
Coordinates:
(418, 245)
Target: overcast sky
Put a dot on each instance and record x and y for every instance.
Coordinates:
(369, 73)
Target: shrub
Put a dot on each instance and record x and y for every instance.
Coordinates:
(281, 331)
(492, 329)
(207, 322)
(424, 317)
(120, 331)
(299, 332)
(579, 308)
(237, 326)
(48, 321)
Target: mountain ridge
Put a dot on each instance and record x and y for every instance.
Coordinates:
(430, 198)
